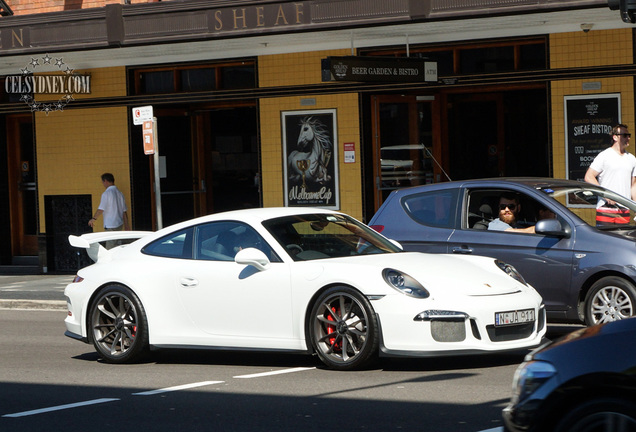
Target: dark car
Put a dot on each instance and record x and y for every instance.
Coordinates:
(584, 382)
(585, 273)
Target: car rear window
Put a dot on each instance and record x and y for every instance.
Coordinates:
(436, 209)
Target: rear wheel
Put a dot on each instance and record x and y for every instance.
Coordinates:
(343, 329)
(118, 323)
(610, 299)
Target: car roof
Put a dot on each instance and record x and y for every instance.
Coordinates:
(252, 215)
(528, 182)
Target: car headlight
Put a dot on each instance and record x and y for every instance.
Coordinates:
(529, 377)
(511, 271)
(404, 283)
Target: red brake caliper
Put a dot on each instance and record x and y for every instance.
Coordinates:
(332, 329)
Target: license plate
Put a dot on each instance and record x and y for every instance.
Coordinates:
(514, 317)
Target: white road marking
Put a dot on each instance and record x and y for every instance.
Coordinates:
(278, 372)
(61, 407)
(176, 388)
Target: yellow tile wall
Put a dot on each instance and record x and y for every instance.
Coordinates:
(348, 130)
(595, 48)
(293, 69)
(105, 82)
(304, 69)
(76, 146)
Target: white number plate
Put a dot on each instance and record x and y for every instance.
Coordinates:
(514, 317)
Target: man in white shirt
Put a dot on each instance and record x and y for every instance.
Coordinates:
(112, 206)
(615, 169)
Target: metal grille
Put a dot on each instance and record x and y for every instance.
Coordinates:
(448, 330)
(508, 333)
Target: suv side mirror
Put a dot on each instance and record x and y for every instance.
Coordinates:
(551, 227)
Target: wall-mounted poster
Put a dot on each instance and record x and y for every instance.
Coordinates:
(588, 123)
(310, 158)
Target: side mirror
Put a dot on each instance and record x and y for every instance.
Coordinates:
(551, 227)
(253, 257)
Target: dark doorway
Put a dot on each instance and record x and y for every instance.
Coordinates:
(498, 134)
(231, 151)
(23, 198)
(209, 163)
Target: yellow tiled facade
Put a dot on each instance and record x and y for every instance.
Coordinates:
(304, 69)
(595, 48)
(76, 146)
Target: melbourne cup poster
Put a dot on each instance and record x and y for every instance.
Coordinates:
(310, 158)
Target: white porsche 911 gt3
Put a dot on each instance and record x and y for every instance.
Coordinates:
(298, 280)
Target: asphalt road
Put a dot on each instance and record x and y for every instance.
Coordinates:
(34, 291)
(51, 382)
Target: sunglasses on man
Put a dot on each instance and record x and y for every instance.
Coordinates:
(512, 207)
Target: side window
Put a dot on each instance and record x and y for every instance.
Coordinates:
(174, 245)
(220, 241)
(483, 207)
(436, 209)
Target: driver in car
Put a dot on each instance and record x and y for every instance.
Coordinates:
(509, 209)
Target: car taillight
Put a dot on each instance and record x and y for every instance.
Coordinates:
(378, 228)
(77, 279)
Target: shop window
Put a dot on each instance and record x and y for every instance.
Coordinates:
(444, 61)
(198, 79)
(485, 57)
(532, 56)
(486, 60)
(183, 79)
(156, 82)
(238, 77)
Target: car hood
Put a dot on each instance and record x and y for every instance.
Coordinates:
(466, 275)
(590, 347)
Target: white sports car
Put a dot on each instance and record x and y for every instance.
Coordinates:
(299, 280)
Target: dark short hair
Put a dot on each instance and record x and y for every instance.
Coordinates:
(615, 129)
(510, 196)
(108, 177)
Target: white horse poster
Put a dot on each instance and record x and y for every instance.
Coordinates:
(311, 158)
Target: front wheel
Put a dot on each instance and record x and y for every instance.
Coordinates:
(343, 329)
(601, 415)
(119, 329)
(610, 299)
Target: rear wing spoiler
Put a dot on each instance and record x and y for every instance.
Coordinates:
(91, 241)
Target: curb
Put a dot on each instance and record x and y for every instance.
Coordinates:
(33, 304)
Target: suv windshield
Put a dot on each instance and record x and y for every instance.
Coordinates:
(598, 207)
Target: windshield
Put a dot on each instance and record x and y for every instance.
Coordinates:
(319, 236)
(598, 207)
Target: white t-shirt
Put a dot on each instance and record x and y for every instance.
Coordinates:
(615, 171)
(113, 205)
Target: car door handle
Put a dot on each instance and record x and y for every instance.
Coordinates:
(462, 250)
(188, 282)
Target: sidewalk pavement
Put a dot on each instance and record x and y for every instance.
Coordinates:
(45, 292)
